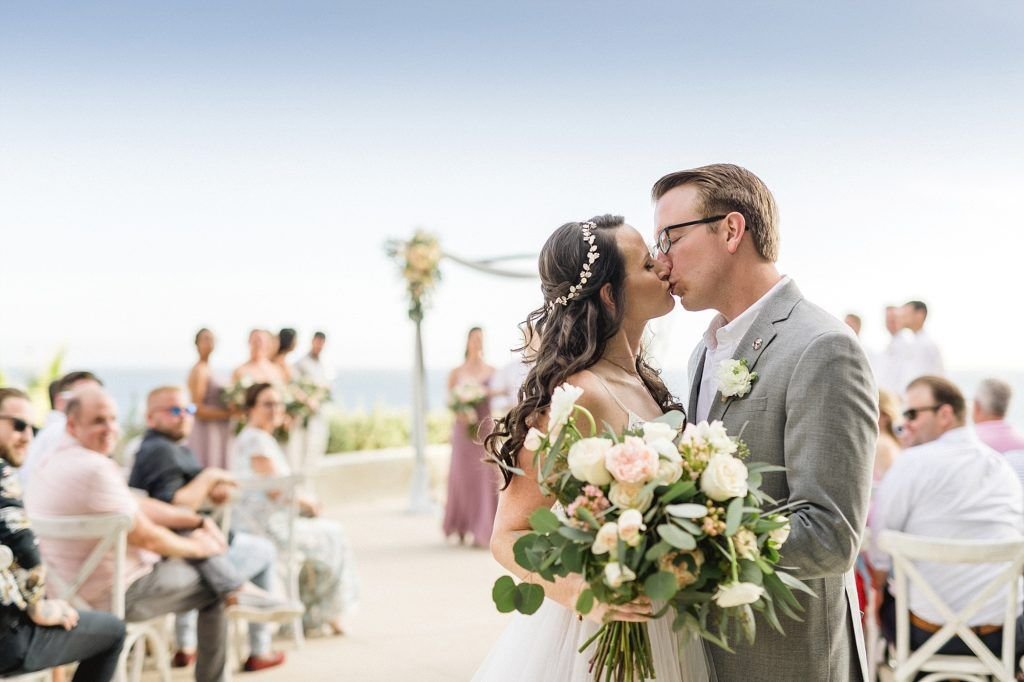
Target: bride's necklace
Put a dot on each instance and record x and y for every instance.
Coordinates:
(631, 372)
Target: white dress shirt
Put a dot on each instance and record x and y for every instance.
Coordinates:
(889, 364)
(721, 340)
(922, 357)
(954, 487)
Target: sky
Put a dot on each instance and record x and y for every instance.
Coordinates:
(165, 166)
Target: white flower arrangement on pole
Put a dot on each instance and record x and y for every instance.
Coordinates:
(418, 260)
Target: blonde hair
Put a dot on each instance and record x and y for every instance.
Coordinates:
(160, 390)
(889, 407)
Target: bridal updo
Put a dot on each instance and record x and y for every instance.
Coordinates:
(572, 332)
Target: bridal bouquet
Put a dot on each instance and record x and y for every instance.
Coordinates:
(464, 400)
(680, 519)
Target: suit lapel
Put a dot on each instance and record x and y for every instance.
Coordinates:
(757, 339)
(691, 412)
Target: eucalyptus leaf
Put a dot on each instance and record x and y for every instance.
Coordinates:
(576, 534)
(503, 594)
(750, 572)
(795, 583)
(733, 516)
(684, 489)
(688, 526)
(657, 551)
(521, 548)
(660, 586)
(544, 521)
(529, 597)
(676, 537)
(763, 467)
(585, 602)
(673, 418)
(687, 511)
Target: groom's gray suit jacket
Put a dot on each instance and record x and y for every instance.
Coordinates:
(812, 409)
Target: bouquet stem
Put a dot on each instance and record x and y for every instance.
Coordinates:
(623, 653)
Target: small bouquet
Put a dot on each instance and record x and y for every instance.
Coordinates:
(233, 396)
(465, 400)
(305, 398)
(679, 519)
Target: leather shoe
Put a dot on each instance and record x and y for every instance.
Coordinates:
(254, 663)
(183, 659)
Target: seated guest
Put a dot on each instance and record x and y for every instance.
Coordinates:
(327, 585)
(949, 485)
(53, 431)
(888, 445)
(37, 633)
(174, 559)
(169, 471)
(991, 403)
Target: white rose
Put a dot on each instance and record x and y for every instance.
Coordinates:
(746, 544)
(533, 439)
(724, 477)
(655, 431)
(734, 379)
(615, 574)
(631, 527)
(780, 535)
(737, 594)
(630, 496)
(607, 539)
(719, 439)
(670, 469)
(563, 400)
(586, 460)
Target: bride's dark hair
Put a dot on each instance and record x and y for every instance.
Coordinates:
(572, 337)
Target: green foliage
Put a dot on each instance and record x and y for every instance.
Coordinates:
(379, 428)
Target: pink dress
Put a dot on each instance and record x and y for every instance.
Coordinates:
(472, 485)
(210, 440)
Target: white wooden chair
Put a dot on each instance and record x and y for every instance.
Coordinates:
(904, 550)
(111, 533)
(289, 563)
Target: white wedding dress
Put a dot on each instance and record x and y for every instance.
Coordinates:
(544, 647)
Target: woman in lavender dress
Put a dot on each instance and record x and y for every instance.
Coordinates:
(210, 436)
(472, 483)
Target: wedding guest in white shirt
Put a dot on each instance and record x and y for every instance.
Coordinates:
(923, 357)
(54, 428)
(888, 363)
(949, 485)
(990, 405)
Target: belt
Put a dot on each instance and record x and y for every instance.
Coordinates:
(922, 624)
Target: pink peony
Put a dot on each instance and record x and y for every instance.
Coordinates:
(632, 461)
(593, 500)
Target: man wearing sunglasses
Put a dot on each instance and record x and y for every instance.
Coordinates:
(948, 485)
(168, 470)
(35, 632)
(811, 408)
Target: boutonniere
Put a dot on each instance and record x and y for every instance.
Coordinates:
(734, 379)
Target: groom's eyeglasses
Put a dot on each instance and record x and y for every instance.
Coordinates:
(911, 414)
(20, 424)
(663, 243)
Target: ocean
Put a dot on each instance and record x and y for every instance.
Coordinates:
(365, 389)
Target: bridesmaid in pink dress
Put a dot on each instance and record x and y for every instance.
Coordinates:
(472, 483)
(210, 436)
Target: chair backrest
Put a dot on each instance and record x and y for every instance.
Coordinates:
(905, 549)
(111, 533)
(286, 491)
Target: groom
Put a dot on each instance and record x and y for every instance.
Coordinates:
(811, 408)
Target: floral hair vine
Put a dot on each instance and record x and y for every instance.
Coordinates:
(587, 231)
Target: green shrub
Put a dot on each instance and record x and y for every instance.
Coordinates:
(381, 428)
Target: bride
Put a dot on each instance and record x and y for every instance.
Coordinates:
(601, 286)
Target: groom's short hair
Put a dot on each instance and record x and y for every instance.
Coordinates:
(726, 187)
